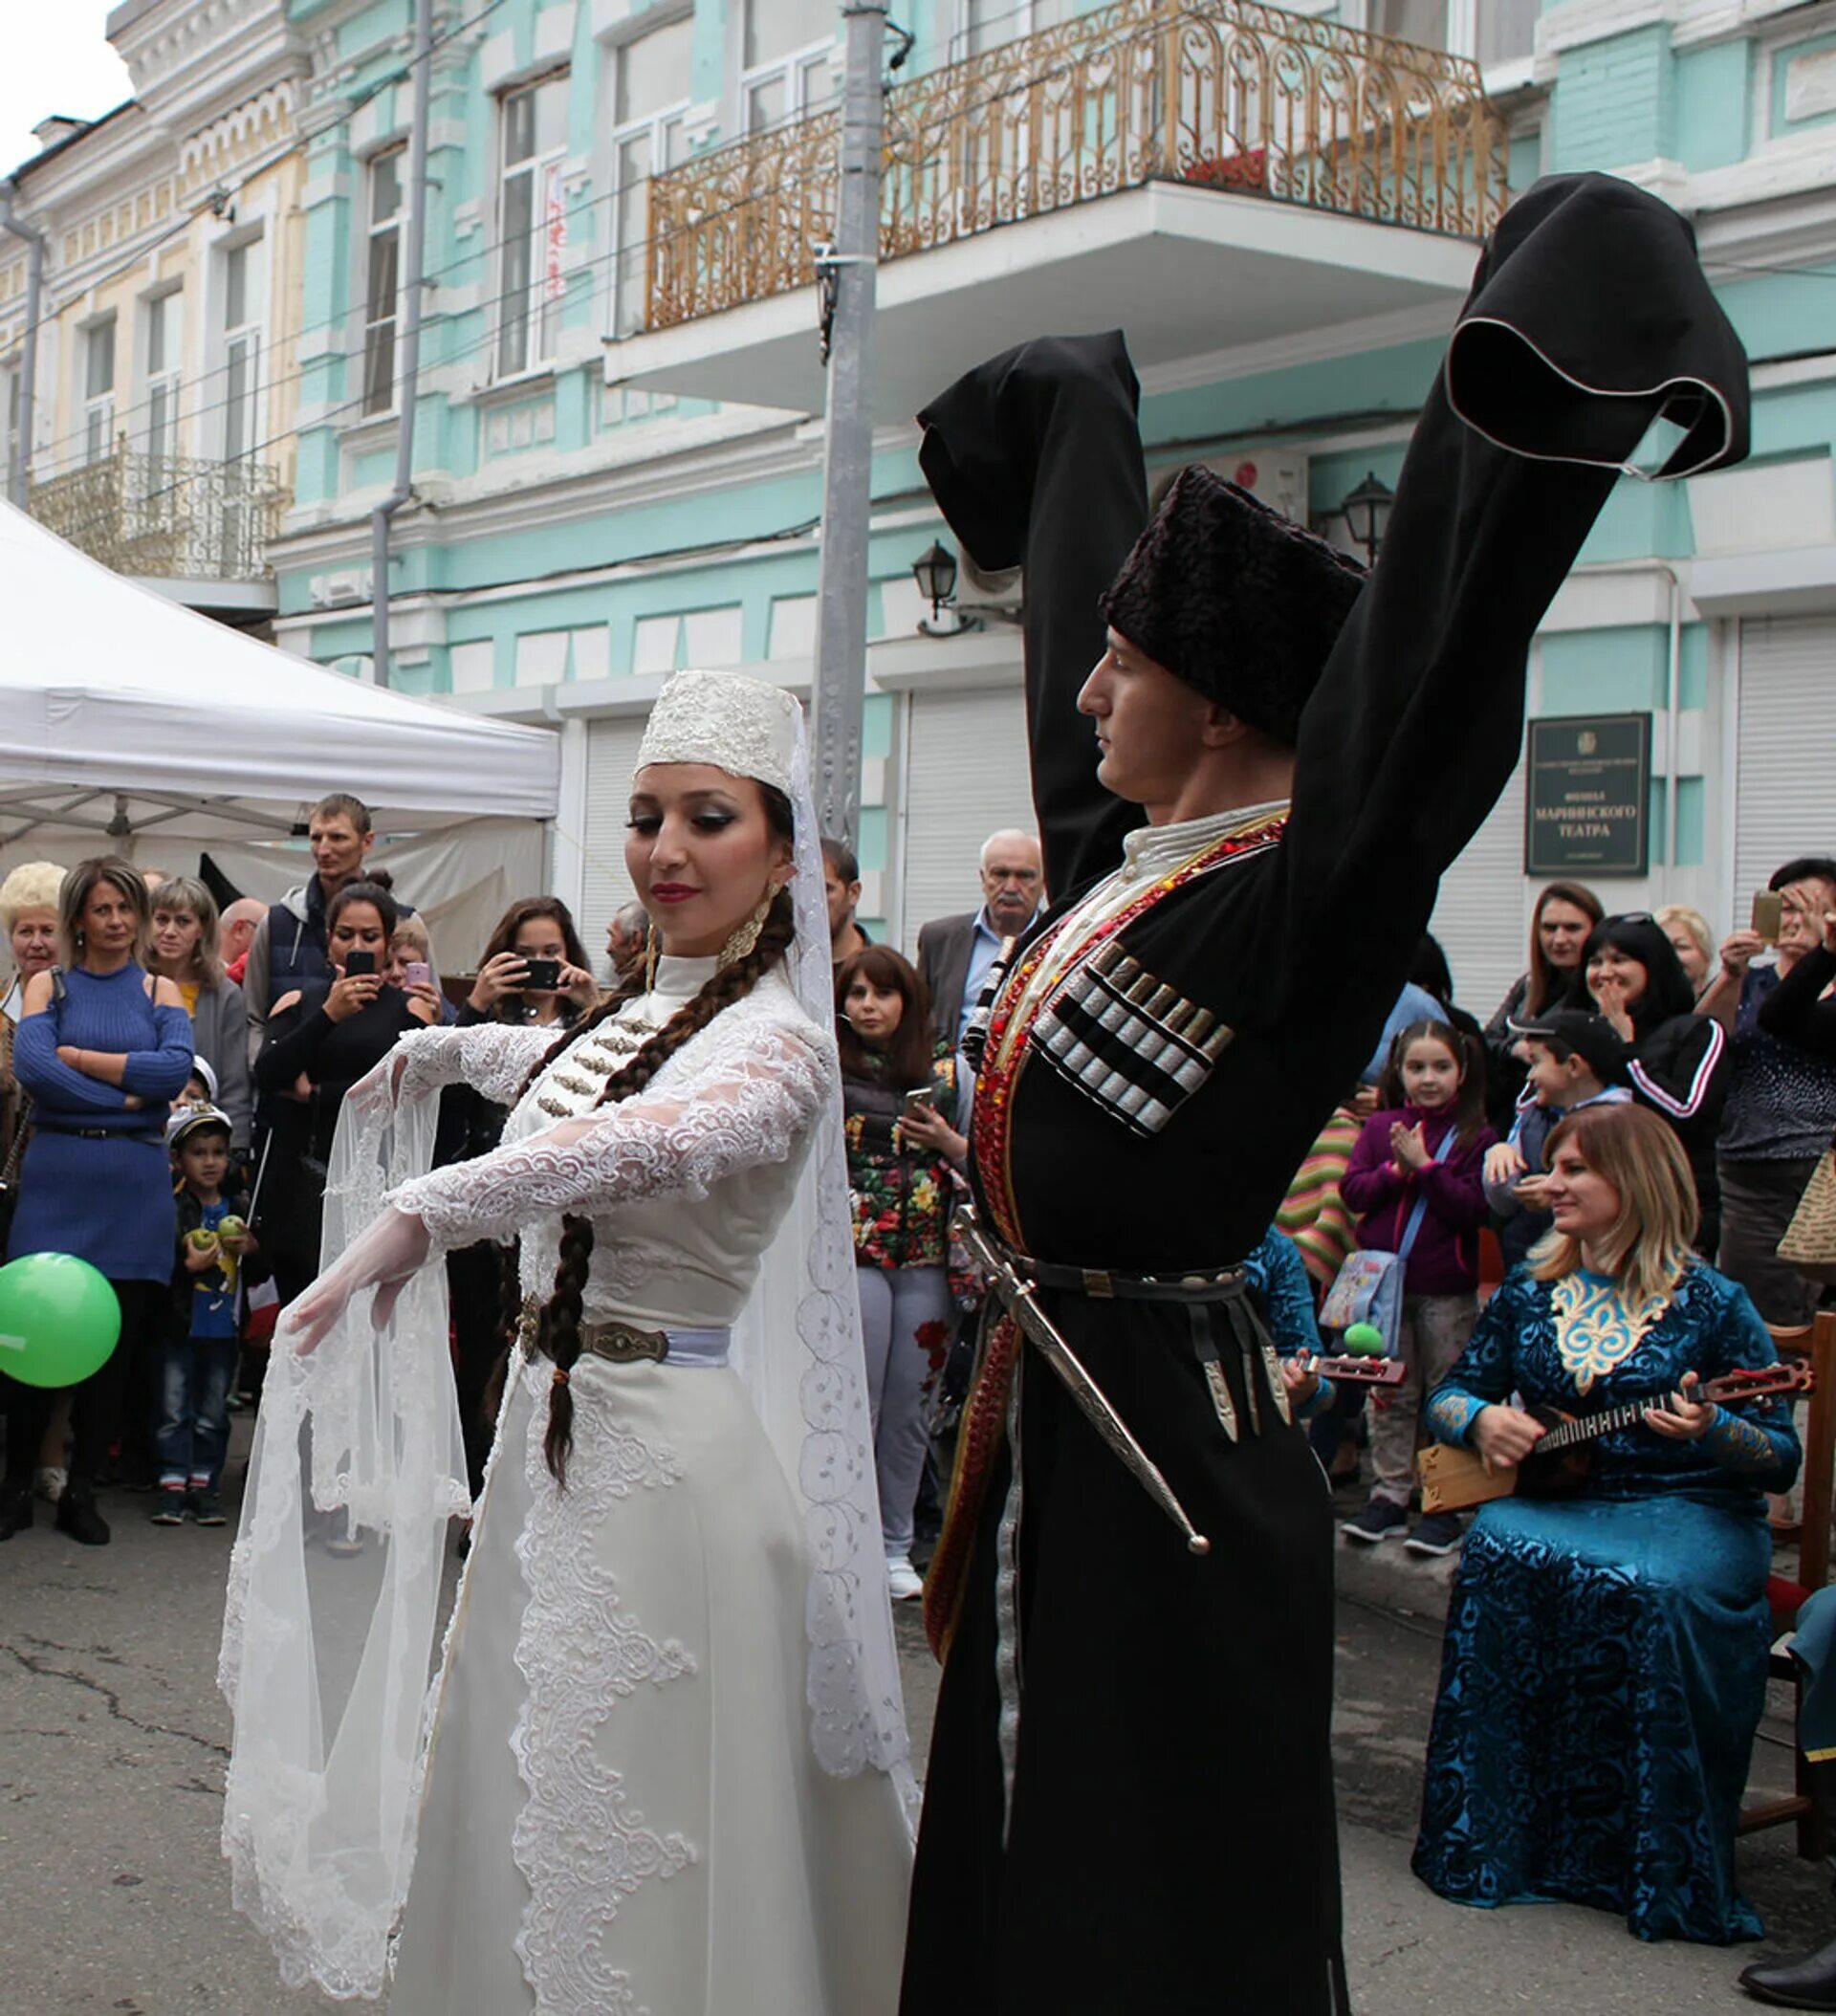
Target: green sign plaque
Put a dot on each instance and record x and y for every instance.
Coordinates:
(1588, 795)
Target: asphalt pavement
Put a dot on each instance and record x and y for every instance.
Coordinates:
(113, 1896)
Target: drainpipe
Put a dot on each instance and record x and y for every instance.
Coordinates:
(402, 489)
(19, 472)
(1672, 760)
(1673, 757)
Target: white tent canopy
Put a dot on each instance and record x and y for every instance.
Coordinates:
(131, 725)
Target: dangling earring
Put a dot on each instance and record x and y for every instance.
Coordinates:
(743, 940)
(652, 943)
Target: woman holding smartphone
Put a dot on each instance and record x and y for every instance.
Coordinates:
(533, 972)
(900, 1103)
(320, 1040)
(533, 968)
(1782, 1093)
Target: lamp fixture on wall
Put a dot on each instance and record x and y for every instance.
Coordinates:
(1365, 511)
(935, 570)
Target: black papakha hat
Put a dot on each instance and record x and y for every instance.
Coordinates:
(1233, 598)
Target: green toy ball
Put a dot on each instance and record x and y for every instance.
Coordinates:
(1363, 1340)
(59, 1319)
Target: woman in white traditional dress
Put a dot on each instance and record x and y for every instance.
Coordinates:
(663, 1770)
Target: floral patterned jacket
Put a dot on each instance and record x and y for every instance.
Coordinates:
(902, 1201)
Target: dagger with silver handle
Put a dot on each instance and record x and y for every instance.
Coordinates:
(1017, 1297)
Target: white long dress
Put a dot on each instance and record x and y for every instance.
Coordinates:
(624, 1811)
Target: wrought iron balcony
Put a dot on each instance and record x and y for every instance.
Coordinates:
(167, 517)
(1223, 94)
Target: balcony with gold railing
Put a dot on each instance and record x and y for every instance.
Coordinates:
(1306, 148)
(196, 529)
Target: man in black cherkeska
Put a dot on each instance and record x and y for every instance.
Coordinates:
(1129, 1797)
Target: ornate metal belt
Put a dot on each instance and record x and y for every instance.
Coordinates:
(623, 1343)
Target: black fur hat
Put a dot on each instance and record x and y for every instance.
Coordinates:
(1233, 598)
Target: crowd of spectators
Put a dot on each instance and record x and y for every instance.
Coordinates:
(1644, 1102)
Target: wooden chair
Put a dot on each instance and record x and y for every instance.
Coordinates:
(1819, 1343)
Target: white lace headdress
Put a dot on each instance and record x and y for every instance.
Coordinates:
(327, 1652)
(739, 725)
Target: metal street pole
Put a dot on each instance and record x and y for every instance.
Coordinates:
(408, 384)
(845, 272)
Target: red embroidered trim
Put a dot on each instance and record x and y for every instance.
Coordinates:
(992, 1125)
(983, 1425)
(984, 1421)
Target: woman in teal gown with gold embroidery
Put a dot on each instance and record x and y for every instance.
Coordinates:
(1605, 1665)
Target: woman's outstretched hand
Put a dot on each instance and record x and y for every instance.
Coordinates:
(385, 1257)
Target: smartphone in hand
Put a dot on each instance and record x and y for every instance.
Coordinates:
(417, 973)
(1768, 914)
(359, 962)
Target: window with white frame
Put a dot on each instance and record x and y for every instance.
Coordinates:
(704, 639)
(532, 223)
(240, 338)
(789, 45)
(1489, 31)
(650, 135)
(1504, 30)
(98, 389)
(162, 345)
(986, 24)
(382, 277)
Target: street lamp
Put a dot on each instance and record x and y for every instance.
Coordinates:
(1365, 512)
(935, 570)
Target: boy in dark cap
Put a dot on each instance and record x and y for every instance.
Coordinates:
(1129, 1801)
(1576, 1060)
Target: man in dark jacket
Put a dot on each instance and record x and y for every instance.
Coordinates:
(1161, 1054)
(954, 953)
(288, 946)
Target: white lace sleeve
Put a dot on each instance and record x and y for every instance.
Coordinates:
(491, 1057)
(738, 1097)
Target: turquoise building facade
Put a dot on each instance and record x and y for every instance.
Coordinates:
(618, 441)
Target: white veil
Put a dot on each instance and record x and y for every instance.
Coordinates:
(339, 1571)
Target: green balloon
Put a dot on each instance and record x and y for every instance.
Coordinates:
(59, 1319)
(1363, 1340)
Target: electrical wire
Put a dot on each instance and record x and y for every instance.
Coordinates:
(358, 316)
(951, 115)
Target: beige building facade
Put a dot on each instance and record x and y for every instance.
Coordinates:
(167, 338)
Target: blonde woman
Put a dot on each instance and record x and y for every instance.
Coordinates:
(29, 913)
(1606, 1658)
(1687, 931)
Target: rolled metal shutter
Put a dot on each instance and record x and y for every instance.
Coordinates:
(1481, 915)
(1785, 801)
(611, 755)
(967, 776)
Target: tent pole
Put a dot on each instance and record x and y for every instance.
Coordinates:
(408, 385)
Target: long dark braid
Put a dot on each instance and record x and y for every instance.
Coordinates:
(558, 1327)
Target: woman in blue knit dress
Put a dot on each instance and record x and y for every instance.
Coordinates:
(1606, 1658)
(101, 1047)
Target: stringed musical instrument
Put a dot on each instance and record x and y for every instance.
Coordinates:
(1362, 1369)
(1454, 1477)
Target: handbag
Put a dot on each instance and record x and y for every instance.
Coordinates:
(1809, 1243)
(1368, 1287)
(9, 1170)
